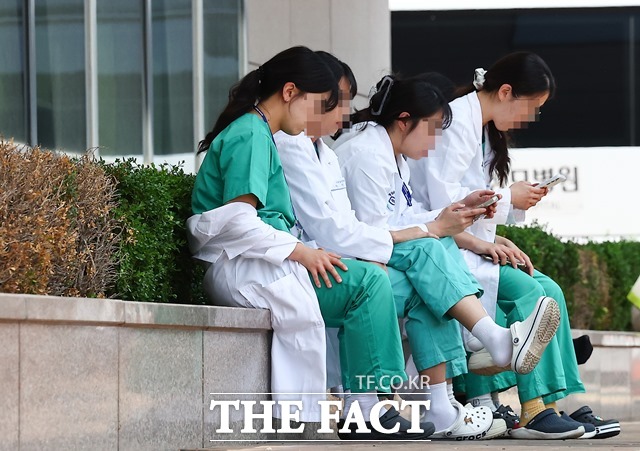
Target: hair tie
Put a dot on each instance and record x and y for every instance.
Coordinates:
(478, 78)
(385, 84)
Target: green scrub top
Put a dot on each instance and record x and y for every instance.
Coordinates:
(243, 159)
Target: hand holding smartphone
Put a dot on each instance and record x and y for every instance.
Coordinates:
(552, 181)
(487, 203)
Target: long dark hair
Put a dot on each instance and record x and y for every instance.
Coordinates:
(340, 69)
(395, 95)
(298, 65)
(528, 75)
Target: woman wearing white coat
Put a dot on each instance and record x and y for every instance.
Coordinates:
(472, 152)
(431, 283)
(242, 217)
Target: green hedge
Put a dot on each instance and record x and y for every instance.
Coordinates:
(595, 277)
(146, 243)
(154, 260)
(155, 264)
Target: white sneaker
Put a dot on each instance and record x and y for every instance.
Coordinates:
(529, 339)
(531, 336)
(472, 423)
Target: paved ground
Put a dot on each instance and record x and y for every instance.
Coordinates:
(628, 439)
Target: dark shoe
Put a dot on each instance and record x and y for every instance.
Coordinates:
(509, 416)
(583, 348)
(388, 421)
(589, 429)
(604, 428)
(547, 425)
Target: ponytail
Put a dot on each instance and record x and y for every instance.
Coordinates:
(242, 97)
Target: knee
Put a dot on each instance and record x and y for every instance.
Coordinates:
(430, 247)
(552, 289)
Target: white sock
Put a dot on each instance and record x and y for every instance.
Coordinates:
(483, 400)
(495, 397)
(452, 397)
(442, 414)
(496, 339)
(366, 402)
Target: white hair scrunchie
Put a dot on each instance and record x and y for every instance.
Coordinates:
(478, 78)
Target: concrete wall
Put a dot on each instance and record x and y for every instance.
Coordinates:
(106, 374)
(358, 32)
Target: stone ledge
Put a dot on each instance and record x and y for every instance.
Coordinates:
(65, 310)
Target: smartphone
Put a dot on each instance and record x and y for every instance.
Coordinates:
(492, 200)
(490, 258)
(487, 203)
(552, 181)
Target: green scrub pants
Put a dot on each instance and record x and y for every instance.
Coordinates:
(556, 376)
(429, 276)
(362, 307)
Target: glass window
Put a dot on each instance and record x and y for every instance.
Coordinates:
(60, 74)
(589, 51)
(221, 50)
(172, 77)
(120, 76)
(13, 120)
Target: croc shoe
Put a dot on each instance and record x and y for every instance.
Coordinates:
(589, 429)
(470, 424)
(507, 414)
(498, 426)
(529, 339)
(547, 425)
(604, 428)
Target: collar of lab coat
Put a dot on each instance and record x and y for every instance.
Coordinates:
(386, 150)
(388, 153)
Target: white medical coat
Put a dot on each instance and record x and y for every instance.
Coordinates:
(319, 197)
(375, 179)
(249, 268)
(457, 167)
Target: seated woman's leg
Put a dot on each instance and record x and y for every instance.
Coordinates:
(439, 275)
(564, 339)
(363, 305)
(436, 347)
(433, 340)
(518, 294)
(437, 271)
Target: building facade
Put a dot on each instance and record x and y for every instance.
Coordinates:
(147, 78)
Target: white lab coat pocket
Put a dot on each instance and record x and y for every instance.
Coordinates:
(292, 302)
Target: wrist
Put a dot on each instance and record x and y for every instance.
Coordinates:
(434, 227)
(296, 255)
